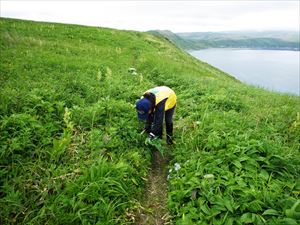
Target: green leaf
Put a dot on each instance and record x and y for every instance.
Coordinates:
(247, 218)
(205, 209)
(255, 206)
(289, 221)
(156, 143)
(295, 206)
(271, 212)
(237, 164)
(134, 181)
(292, 214)
(228, 205)
(229, 221)
(264, 174)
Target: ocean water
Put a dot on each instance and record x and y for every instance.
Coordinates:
(275, 70)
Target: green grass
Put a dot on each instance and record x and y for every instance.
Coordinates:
(248, 140)
(71, 151)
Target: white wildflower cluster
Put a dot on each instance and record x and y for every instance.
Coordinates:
(132, 71)
(176, 168)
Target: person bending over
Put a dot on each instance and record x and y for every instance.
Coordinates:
(155, 105)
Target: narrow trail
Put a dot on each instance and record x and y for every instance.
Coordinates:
(154, 203)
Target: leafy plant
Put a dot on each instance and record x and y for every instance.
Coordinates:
(70, 151)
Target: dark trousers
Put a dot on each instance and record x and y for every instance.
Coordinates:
(158, 128)
(169, 121)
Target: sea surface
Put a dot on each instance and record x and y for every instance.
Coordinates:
(276, 70)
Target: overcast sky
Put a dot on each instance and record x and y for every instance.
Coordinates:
(177, 16)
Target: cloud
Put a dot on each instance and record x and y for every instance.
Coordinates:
(178, 16)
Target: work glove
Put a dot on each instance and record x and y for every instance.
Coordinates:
(150, 139)
(152, 136)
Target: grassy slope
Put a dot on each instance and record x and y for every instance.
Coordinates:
(290, 36)
(270, 40)
(177, 40)
(71, 151)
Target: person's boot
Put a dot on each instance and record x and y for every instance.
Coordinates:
(169, 140)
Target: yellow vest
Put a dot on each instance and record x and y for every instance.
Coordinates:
(162, 93)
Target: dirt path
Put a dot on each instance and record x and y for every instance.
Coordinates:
(154, 210)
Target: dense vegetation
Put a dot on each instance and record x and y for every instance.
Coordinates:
(71, 149)
(255, 40)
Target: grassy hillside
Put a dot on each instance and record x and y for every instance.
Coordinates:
(255, 40)
(177, 40)
(71, 149)
(254, 43)
(291, 36)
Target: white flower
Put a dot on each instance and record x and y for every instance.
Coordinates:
(131, 69)
(209, 176)
(177, 166)
(170, 170)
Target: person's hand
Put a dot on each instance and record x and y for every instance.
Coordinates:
(152, 136)
(150, 139)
